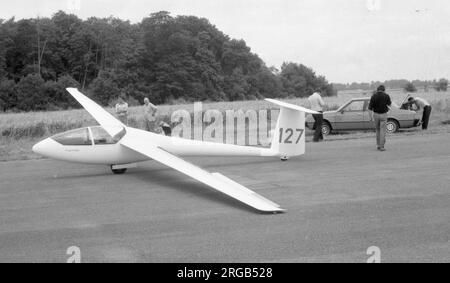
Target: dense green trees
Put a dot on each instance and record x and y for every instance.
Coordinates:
(299, 79)
(164, 58)
(395, 84)
(31, 93)
(442, 85)
(8, 94)
(410, 87)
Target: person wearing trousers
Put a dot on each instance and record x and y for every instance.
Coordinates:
(317, 104)
(379, 105)
(423, 105)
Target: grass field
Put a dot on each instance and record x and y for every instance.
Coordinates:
(20, 130)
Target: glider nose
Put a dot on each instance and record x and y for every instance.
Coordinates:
(43, 147)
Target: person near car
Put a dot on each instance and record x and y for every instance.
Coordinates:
(317, 104)
(423, 105)
(379, 105)
(150, 115)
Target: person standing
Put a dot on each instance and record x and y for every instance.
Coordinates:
(379, 105)
(122, 110)
(423, 105)
(317, 104)
(149, 115)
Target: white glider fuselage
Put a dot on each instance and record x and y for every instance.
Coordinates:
(113, 143)
(90, 151)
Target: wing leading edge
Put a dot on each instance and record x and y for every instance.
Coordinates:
(214, 180)
(291, 106)
(103, 117)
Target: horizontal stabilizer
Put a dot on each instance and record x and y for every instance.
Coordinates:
(292, 106)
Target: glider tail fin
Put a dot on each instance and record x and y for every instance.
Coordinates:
(289, 134)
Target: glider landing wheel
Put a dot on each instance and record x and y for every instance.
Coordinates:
(284, 158)
(118, 171)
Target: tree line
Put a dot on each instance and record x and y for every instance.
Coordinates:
(168, 59)
(439, 85)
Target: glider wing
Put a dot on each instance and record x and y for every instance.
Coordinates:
(214, 180)
(103, 117)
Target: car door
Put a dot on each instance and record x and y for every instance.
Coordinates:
(351, 116)
(369, 123)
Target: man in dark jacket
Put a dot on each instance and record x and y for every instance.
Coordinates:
(379, 105)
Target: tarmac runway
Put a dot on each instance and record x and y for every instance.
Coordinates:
(342, 197)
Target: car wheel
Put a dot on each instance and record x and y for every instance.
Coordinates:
(326, 128)
(391, 126)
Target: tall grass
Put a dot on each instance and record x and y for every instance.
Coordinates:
(39, 124)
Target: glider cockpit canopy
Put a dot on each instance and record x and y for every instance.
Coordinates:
(88, 136)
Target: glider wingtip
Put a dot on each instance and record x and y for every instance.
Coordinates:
(73, 91)
(274, 211)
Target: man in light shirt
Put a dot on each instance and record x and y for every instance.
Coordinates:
(122, 110)
(149, 115)
(317, 104)
(423, 105)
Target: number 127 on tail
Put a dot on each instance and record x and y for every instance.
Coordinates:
(288, 135)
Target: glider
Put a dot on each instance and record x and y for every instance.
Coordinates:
(119, 146)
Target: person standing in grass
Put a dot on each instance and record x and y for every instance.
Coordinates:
(317, 104)
(423, 105)
(149, 115)
(379, 105)
(122, 110)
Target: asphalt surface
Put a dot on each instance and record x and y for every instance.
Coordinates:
(342, 197)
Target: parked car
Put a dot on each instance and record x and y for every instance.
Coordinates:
(354, 115)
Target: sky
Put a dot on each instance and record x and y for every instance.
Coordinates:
(344, 40)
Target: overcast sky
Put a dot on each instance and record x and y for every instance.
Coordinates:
(345, 40)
